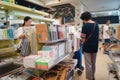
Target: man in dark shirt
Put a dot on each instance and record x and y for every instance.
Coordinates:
(89, 35)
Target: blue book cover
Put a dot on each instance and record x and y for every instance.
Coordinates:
(10, 33)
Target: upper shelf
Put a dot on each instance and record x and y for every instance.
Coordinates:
(52, 42)
(11, 6)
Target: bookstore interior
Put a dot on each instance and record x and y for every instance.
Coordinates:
(46, 50)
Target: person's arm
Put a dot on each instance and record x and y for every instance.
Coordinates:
(108, 32)
(20, 33)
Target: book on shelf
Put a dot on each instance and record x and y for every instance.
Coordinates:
(44, 63)
(7, 33)
(54, 48)
(61, 50)
(46, 54)
(49, 32)
(42, 32)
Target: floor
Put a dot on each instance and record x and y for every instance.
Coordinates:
(101, 66)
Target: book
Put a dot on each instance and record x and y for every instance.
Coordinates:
(44, 63)
(49, 32)
(53, 48)
(46, 54)
(42, 32)
(61, 30)
(10, 33)
(61, 50)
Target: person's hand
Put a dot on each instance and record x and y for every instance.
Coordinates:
(22, 36)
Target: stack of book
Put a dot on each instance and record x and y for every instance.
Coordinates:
(36, 61)
(44, 63)
(48, 32)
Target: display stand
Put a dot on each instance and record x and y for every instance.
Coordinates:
(115, 57)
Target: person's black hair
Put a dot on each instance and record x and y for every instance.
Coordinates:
(86, 16)
(26, 19)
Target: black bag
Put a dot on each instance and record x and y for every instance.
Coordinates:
(19, 47)
(18, 50)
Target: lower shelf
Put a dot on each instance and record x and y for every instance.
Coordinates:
(10, 68)
(6, 50)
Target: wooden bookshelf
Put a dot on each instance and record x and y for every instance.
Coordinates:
(8, 39)
(6, 50)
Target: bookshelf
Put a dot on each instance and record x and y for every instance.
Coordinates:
(114, 55)
(8, 39)
(52, 42)
(6, 50)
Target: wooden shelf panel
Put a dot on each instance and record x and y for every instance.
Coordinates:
(8, 39)
(6, 50)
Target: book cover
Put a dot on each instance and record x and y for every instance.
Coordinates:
(1, 34)
(49, 32)
(10, 33)
(42, 32)
(58, 36)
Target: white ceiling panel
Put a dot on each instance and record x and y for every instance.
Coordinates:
(100, 5)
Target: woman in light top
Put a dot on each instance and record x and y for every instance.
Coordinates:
(24, 35)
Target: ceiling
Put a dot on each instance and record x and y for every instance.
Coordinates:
(101, 5)
(90, 5)
(94, 6)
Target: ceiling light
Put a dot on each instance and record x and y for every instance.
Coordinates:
(2, 7)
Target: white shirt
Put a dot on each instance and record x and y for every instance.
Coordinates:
(24, 30)
(105, 34)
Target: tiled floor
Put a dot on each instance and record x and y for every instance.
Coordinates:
(101, 67)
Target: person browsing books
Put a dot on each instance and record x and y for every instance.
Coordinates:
(89, 37)
(24, 36)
